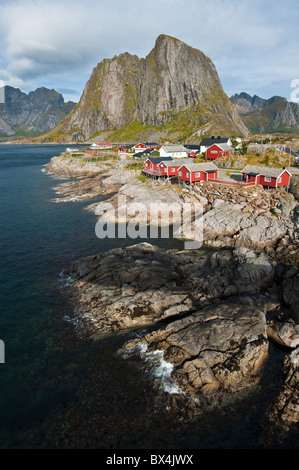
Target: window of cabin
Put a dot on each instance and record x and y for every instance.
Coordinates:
(279, 180)
(173, 169)
(197, 175)
(188, 174)
(180, 173)
(267, 179)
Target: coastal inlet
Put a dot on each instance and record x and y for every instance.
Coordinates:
(212, 312)
(68, 384)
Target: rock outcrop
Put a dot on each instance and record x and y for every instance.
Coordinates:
(285, 409)
(294, 186)
(139, 285)
(174, 85)
(221, 347)
(251, 217)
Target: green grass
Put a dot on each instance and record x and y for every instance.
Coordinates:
(142, 178)
(24, 132)
(136, 166)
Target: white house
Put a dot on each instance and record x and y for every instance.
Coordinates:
(174, 151)
(206, 143)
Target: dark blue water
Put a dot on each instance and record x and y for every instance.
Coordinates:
(60, 388)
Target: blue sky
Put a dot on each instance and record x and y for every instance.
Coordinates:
(254, 44)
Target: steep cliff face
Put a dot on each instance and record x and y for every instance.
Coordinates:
(272, 115)
(174, 79)
(39, 111)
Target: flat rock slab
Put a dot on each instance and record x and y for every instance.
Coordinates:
(139, 285)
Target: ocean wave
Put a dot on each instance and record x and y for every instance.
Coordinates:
(65, 280)
(59, 200)
(295, 356)
(159, 368)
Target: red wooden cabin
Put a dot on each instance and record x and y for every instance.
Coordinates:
(151, 165)
(146, 146)
(194, 172)
(124, 148)
(266, 176)
(171, 167)
(219, 150)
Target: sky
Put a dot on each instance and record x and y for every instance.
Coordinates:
(254, 44)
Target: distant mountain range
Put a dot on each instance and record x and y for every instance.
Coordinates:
(31, 114)
(174, 93)
(267, 115)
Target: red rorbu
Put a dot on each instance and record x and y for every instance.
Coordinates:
(193, 172)
(268, 177)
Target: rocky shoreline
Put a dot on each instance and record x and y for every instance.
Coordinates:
(215, 310)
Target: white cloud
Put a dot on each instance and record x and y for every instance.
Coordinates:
(59, 40)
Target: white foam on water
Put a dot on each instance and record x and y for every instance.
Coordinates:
(142, 348)
(59, 200)
(160, 369)
(65, 280)
(77, 321)
(295, 356)
(139, 348)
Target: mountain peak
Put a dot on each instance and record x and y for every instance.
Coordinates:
(174, 83)
(39, 111)
(267, 115)
(166, 38)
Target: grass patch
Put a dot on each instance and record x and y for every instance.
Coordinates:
(142, 178)
(136, 166)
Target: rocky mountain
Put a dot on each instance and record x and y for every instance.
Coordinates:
(267, 115)
(174, 92)
(38, 112)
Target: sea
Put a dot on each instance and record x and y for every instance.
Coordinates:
(62, 387)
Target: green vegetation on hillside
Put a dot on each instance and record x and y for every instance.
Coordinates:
(23, 131)
(270, 158)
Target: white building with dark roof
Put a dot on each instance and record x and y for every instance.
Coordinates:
(174, 151)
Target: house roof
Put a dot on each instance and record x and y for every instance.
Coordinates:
(225, 147)
(264, 171)
(158, 159)
(200, 166)
(290, 151)
(147, 143)
(178, 162)
(174, 148)
(149, 151)
(192, 147)
(208, 142)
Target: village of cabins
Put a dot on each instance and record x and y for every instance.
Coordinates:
(176, 160)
